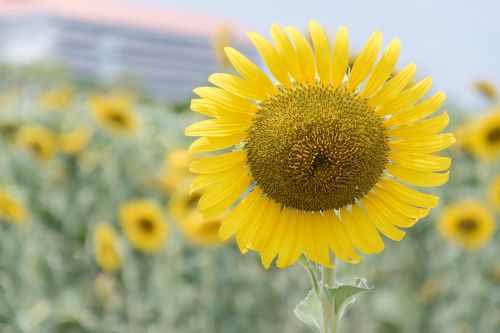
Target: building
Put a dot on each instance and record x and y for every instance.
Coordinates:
(168, 52)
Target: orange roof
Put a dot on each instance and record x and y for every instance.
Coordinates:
(114, 13)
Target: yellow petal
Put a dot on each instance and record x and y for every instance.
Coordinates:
(250, 235)
(205, 144)
(217, 128)
(305, 54)
(422, 128)
(399, 205)
(393, 87)
(249, 70)
(388, 213)
(418, 178)
(239, 215)
(365, 61)
(410, 195)
(321, 51)
(205, 107)
(362, 232)
(423, 145)
(383, 69)
(219, 163)
(417, 112)
(228, 104)
(290, 248)
(220, 197)
(237, 86)
(315, 245)
(340, 56)
(287, 52)
(271, 58)
(204, 180)
(339, 240)
(407, 98)
(420, 161)
(382, 224)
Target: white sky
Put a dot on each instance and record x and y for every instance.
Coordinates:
(455, 41)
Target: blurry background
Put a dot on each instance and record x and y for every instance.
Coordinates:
(98, 232)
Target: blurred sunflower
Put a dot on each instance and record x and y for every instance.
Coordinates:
(468, 223)
(10, 209)
(495, 192)
(57, 99)
(38, 140)
(321, 158)
(183, 202)
(74, 142)
(221, 40)
(462, 134)
(106, 250)
(485, 136)
(200, 231)
(144, 225)
(114, 112)
(487, 89)
(175, 170)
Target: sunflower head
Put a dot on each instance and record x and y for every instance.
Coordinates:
(495, 192)
(487, 89)
(144, 225)
(57, 99)
(38, 140)
(115, 113)
(74, 142)
(468, 224)
(485, 136)
(106, 249)
(200, 231)
(10, 209)
(317, 153)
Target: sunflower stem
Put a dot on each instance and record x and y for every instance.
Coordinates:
(329, 317)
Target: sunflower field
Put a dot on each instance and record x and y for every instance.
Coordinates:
(113, 220)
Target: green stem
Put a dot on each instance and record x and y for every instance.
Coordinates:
(330, 318)
(312, 274)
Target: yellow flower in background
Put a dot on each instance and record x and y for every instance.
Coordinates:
(322, 160)
(468, 224)
(221, 40)
(495, 192)
(178, 158)
(183, 202)
(57, 99)
(74, 142)
(115, 113)
(485, 136)
(10, 209)
(144, 225)
(38, 140)
(106, 249)
(171, 180)
(487, 89)
(200, 231)
(463, 135)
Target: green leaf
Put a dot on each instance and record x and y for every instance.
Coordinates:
(342, 294)
(309, 310)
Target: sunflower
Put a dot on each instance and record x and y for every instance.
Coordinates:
(485, 136)
(200, 231)
(468, 223)
(317, 159)
(37, 139)
(183, 202)
(495, 192)
(222, 38)
(487, 89)
(106, 247)
(178, 158)
(144, 225)
(175, 170)
(75, 141)
(57, 99)
(114, 112)
(10, 209)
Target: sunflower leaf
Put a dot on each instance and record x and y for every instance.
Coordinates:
(309, 310)
(342, 295)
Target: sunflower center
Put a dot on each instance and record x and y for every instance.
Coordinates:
(35, 148)
(494, 136)
(467, 226)
(116, 117)
(146, 225)
(315, 148)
